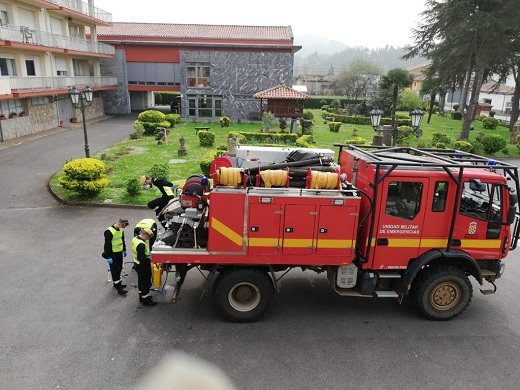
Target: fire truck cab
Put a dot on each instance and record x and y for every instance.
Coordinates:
(381, 222)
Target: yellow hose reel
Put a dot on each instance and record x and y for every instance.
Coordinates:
(228, 176)
(322, 180)
(274, 178)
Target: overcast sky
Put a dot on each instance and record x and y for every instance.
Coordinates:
(370, 23)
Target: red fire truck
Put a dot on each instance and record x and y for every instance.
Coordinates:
(380, 222)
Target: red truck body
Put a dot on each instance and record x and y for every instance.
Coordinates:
(399, 221)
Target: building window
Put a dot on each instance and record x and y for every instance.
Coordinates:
(488, 101)
(75, 31)
(8, 106)
(4, 16)
(7, 67)
(204, 106)
(39, 100)
(31, 69)
(61, 66)
(198, 75)
(79, 69)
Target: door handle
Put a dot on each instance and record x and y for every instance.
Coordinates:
(456, 242)
(382, 242)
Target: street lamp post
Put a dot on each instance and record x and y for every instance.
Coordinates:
(416, 116)
(375, 120)
(82, 100)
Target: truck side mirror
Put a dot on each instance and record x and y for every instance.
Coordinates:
(477, 185)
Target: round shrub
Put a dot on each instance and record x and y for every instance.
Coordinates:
(206, 138)
(151, 116)
(133, 188)
(307, 114)
(456, 115)
(159, 170)
(334, 126)
(490, 123)
(224, 121)
(440, 137)
(84, 176)
(455, 107)
(463, 146)
(492, 143)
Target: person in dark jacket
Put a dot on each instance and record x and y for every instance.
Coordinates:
(114, 250)
(143, 266)
(165, 187)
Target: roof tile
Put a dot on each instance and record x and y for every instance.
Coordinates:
(281, 92)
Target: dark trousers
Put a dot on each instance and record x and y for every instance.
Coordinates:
(144, 278)
(158, 204)
(116, 267)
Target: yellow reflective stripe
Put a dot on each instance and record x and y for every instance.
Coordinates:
(168, 190)
(335, 243)
(488, 244)
(298, 243)
(434, 242)
(226, 231)
(403, 242)
(263, 242)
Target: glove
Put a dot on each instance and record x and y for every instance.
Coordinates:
(110, 261)
(124, 253)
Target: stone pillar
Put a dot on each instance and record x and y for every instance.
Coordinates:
(388, 132)
(182, 150)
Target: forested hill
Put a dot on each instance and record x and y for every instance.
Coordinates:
(319, 53)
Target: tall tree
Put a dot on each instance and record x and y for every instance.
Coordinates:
(433, 86)
(357, 77)
(471, 37)
(395, 80)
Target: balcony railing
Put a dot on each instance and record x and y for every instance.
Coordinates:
(38, 84)
(83, 8)
(24, 34)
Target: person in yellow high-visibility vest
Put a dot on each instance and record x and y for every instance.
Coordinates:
(142, 264)
(165, 187)
(114, 250)
(147, 223)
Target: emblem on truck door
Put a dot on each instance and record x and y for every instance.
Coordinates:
(472, 228)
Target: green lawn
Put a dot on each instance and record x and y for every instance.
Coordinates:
(133, 158)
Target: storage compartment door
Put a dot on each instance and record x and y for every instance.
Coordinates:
(298, 230)
(264, 229)
(336, 231)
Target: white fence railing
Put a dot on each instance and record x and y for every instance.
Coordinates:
(26, 35)
(36, 84)
(83, 8)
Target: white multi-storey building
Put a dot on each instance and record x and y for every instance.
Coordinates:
(44, 52)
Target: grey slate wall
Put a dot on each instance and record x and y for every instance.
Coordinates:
(116, 101)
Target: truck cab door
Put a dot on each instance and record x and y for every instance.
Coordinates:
(480, 228)
(400, 222)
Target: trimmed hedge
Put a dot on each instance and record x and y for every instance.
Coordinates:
(263, 138)
(84, 176)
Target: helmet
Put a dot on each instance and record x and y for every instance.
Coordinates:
(123, 221)
(147, 231)
(142, 180)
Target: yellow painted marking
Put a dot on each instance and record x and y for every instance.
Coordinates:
(434, 242)
(270, 242)
(483, 244)
(298, 243)
(323, 244)
(226, 231)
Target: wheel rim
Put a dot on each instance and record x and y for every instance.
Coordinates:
(445, 296)
(244, 297)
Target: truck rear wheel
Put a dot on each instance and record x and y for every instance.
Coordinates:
(243, 295)
(442, 292)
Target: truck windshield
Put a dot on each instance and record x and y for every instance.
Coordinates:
(476, 204)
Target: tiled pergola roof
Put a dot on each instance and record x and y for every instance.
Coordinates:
(281, 92)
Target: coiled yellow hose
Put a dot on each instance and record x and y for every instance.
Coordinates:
(323, 180)
(276, 178)
(229, 176)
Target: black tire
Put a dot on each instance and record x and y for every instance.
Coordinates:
(243, 295)
(441, 292)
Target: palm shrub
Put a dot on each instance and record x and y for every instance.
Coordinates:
(85, 176)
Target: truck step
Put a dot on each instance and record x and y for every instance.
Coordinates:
(388, 274)
(348, 292)
(387, 294)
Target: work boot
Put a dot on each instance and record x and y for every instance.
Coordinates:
(148, 301)
(121, 290)
(120, 285)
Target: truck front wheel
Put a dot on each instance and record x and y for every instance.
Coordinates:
(243, 295)
(442, 292)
